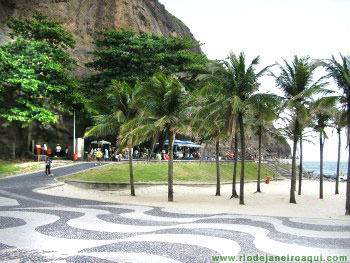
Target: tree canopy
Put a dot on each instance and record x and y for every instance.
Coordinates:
(128, 56)
(35, 79)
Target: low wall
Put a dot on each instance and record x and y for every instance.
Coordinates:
(104, 186)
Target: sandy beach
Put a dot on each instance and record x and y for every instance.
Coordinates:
(273, 201)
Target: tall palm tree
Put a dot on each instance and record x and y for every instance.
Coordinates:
(165, 105)
(340, 73)
(234, 175)
(120, 97)
(265, 110)
(211, 132)
(339, 119)
(209, 120)
(246, 82)
(236, 84)
(302, 139)
(321, 110)
(295, 80)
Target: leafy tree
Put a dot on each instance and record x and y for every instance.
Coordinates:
(35, 79)
(165, 106)
(40, 28)
(32, 85)
(295, 80)
(128, 56)
(340, 73)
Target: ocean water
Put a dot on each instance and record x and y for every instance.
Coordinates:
(329, 168)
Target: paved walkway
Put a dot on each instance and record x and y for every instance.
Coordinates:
(40, 228)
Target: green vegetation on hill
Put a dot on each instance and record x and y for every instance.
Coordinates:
(157, 172)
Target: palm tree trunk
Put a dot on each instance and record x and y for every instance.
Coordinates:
(338, 164)
(153, 145)
(321, 166)
(347, 205)
(234, 191)
(131, 168)
(300, 164)
(217, 145)
(29, 138)
(259, 166)
(293, 176)
(241, 181)
(170, 166)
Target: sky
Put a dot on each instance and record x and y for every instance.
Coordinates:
(272, 29)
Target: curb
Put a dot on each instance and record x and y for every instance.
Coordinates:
(103, 186)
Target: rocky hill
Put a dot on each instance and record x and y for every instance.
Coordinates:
(83, 17)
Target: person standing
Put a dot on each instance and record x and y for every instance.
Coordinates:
(66, 151)
(58, 150)
(106, 156)
(48, 167)
(45, 149)
(94, 152)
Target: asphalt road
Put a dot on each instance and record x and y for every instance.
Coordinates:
(41, 228)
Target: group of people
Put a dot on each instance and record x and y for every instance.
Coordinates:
(112, 154)
(59, 152)
(101, 153)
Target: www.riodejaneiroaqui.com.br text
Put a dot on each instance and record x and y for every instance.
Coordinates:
(281, 259)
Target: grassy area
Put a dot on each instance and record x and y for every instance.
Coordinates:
(11, 168)
(7, 168)
(157, 172)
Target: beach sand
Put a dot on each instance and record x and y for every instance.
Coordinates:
(273, 201)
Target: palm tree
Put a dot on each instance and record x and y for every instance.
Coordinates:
(340, 73)
(121, 100)
(295, 80)
(265, 110)
(321, 110)
(339, 119)
(301, 140)
(165, 106)
(209, 120)
(245, 80)
(235, 84)
(211, 132)
(234, 175)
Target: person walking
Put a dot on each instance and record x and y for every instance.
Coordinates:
(48, 167)
(98, 156)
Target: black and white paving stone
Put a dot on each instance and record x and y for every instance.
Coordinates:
(41, 228)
